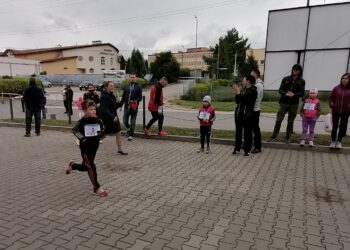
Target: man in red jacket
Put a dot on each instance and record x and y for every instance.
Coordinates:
(155, 106)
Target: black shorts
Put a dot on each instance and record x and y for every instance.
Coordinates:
(111, 127)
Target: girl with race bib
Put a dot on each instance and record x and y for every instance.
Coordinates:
(206, 116)
(89, 130)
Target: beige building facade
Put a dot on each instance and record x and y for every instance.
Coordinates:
(192, 58)
(80, 59)
(259, 56)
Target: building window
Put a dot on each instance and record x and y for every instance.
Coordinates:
(91, 70)
(80, 58)
(91, 58)
(111, 60)
(103, 62)
(262, 61)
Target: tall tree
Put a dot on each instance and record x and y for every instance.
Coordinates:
(248, 65)
(165, 65)
(136, 63)
(229, 45)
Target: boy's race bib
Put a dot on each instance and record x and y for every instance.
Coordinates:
(91, 130)
(204, 115)
(309, 106)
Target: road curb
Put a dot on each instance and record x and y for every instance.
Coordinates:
(277, 145)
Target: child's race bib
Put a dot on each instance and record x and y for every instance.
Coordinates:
(204, 115)
(91, 129)
(309, 106)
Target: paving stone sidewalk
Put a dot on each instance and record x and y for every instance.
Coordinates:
(164, 195)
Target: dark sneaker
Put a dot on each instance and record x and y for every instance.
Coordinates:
(256, 151)
(271, 139)
(122, 153)
(27, 135)
(235, 151)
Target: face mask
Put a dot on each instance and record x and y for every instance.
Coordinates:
(91, 90)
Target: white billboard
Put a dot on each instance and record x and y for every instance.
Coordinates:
(316, 37)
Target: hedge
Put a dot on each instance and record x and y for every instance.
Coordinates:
(16, 85)
(142, 82)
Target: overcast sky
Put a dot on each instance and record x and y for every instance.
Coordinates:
(149, 25)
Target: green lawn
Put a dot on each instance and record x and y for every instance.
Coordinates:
(266, 107)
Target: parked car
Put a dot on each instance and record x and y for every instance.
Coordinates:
(83, 85)
(46, 84)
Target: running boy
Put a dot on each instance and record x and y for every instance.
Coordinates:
(206, 116)
(89, 130)
(310, 111)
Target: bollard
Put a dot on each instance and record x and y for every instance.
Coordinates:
(11, 109)
(144, 112)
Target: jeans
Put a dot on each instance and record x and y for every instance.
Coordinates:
(37, 119)
(156, 116)
(342, 125)
(292, 111)
(308, 124)
(131, 115)
(256, 130)
(205, 135)
(239, 130)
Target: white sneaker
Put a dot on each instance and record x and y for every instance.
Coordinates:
(311, 143)
(338, 145)
(332, 145)
(201, 150)
(302, 142)
(130, 138)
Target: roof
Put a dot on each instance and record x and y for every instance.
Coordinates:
(58, 59)
(32, 51)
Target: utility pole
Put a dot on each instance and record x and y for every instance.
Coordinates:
(308, 3)
(195, 55)
(196, 29)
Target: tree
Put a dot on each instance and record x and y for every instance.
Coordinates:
(248, 65)
(136, 63)
(166, 65)
(122, 62)
(229, 45)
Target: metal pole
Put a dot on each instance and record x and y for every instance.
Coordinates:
(218, 62)
(144, 112)
(11, 109)
(235, 69)
(69, 112)
(308, 3)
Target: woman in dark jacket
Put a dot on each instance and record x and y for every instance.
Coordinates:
(109, 116)
(339, 102)
(244, 115)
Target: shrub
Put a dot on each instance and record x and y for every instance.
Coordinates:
(142, 82)
(16, 85)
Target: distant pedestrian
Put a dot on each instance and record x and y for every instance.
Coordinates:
(91, 94)
(44, 109)
(206, 116)
(259, 84)
(155, 106)
(88, 130)
(131, 98)
(310, 111)
(80, 107)
(64, 96)
(33, 99)
(245, 99)
(69, 99)
(109, 116)
(339, 102)
(292, 89)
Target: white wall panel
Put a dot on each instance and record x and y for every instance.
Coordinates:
(323, 69)
(327, 24)
(287, 30)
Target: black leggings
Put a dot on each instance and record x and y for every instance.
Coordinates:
(156, 116)
(340, 125)
(205, 134)
(88, 154)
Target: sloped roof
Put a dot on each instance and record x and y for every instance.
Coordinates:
(32, 51)
(58, 59)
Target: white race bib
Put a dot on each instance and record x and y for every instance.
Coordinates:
(204, 115)
(309, 106)
(91, 129)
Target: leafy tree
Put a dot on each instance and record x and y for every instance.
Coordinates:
(229, 45)
(136, 63)
(165, 65)
(122, 62)
(248, 65)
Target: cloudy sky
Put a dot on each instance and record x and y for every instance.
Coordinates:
(149, 25)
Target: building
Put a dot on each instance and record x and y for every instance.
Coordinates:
(259, 56)
(18, 67)
(79, 59)
(191, 59)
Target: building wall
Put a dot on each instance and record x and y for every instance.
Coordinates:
(41, 55)
(259, 55)
(10, 66)
(68, 66)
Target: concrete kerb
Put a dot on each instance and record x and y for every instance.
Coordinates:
(277, 145)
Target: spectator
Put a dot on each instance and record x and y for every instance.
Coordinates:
(33, 99)
(206, 117)
(131, 98)
(339, 102)
(69, 99)
(91, 94)
(292, 89)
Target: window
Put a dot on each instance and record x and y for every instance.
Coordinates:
(91, 58)
(103, 62)
(80, 58)
(91, 70)
(111, 60)
(262, 61)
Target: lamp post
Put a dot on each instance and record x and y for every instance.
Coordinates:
(195, 56)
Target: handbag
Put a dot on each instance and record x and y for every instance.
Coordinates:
(328, 123)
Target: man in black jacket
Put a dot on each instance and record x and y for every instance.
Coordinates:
(292, 89)
(131, 98)
(33, 99)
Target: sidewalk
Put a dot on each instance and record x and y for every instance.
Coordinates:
(164, 195)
